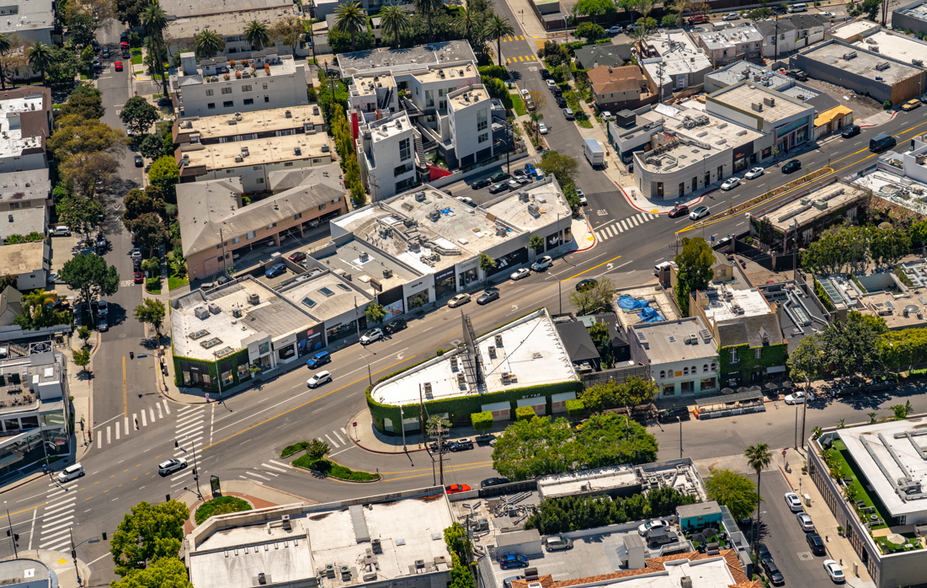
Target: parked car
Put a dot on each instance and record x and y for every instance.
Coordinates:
(276, 270)
(586, 284)
(542, 264)
(582, 197)
(499, 177)
(480, 184)
(850, 131)
(568, 113)
(102, 308)
(395, 326)
(545, 75)
(775, 576)
(791, 166)
(320, 358)
(520, 273)
(614, 30)
(118, 66)
(458, 300)
(805, 522)
(730, 16)
(561, 102)
(816, 544)
(699, 213)
(320, 378)
(513, 560)
(754, 173)
(297, 257)
(827, 14)
(455, 488)
(730, 183)
(139, 277)
(557, 543)
(679, 210)
(493, 482)
(542, 128)
(61, 231)
(698, 19)
(522, 177)
(796, 397)
(650, 525)
(911, 105)
(139, 162)
(499, 188)
(551, 84)
(606, 115)
(513, 184)
(461, 445)
(488, 296)
(834, 572)
(165, 101)
(793, 502)
(105, 52)
(371, 336)
(102, 326)
(172, 465)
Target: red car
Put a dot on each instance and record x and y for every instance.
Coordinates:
(298, 256)
(118, 66)
(455, 488)
(139, 277)
(679, 210)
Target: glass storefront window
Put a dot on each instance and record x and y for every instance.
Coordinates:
(669, 389)
(227, 378)
(417, 300)
(341, 331)
(243, 371)
(468, 277)
(708, 384)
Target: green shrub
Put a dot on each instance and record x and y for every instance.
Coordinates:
(439, 352)
(493, 71)
(575, 408)
(482, 421)
(334, 470)
(887, 104)
(220, 506)
(293, 449)
(524, 413)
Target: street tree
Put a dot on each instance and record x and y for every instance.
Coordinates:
(680, 7)
(81, 30)
(150, 232)
(351, 19)
(151, 146)
(81, 358)
(806, 363)
(633, 392)
(39, 56)
(151, 312)
(594, 298)
(289, 30)
(735, 491)
(63, 67)
(164, 572)
(595, 9)
(375, 313)
(83, 333)
(128, 11)
(317, 449)
(902, 410)
(758, 457)
(148, 533)
(536, 242)
(854, 346)
(138, 202)
(83, 215)
(560, 165)
(74, 135)
(85, 101)
(138, 114)
(154, 21)
(590, 31)
(90, 276)
(497, 28)
(84, 171)
(486, 262)
(694, 271)
(758, 14)
(164, 175)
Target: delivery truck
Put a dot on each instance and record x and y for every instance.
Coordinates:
(594, 152)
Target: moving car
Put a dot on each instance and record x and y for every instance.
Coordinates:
(320, 378)
(275, 270)
(804, 520)
(493, 482)
(586, 284)
(881, 142)
(827, 14)
(520, 273)
(542, 128)
(118, 66)
(395, 326)
(816, 544)
(488, 296)
(568, 113)
(850, 131)
(582, 198)
(793, 502)
(679, 210)
(730, 183)
(139, 277)
(102, 326)
(775, 576)
(298, 256)
(499, 188)
(614, 30)
(455, 488)
(699, 213)
(730, 16)
(320, 358)
(791, 166)
(139, 162)
(371, 336)
(754, 173)
(480, 184)
(650, 525)
(458, 300)
(911, 105)
(557, 543)
(834, 572)
(797, 397)
(499, 177)
(513, 560)
(542, 263)
(172, 465)
(71, 472)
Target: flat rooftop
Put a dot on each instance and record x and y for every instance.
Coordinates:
(466, 97)
(897, 189)
(851, 30)
(22, 258)
(864, 64)
(212, 71)
(730, 38)
(367, 84)
(919, 11)
(29, 16)
(703, 571)
(324, 297)
(261, 121)
(14, 141)
(727, 303)
(447, 73)
(894, 45)
(800, 313)
(680, 474)
(744, 70)
(546, 195)
(892, 449)
(667, 340)
(742, 95)
(410, 59)
(656, 299)
(24, 221)
(186, 8)
(227, 24)
(363, 263)
(816, 205)
(677, 51)
(531, 354)
(260, 151)
(385, 128)
(25, 185)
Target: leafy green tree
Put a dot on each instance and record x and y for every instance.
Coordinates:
(868, 7)
(289, 30)
(536, 242)
(148, 533)
(350, 18)
(85, 101)
(63, 67)
(394, 22)
(36, 312)
(151, 146)
(81, 358)
(429, 9)
(128, 11)
(806, 362)
(595, 298)
(669, 20)
(87, 171)
(317, 449)
(694, 271)
(83, 333)
(90, 276)
(560, 165)
(150, 232)
(589, 31)
(467, 21)
(164, 572)
(497, 28)
(257, 34)
(138, 202)
(39, 57)
(902, 410)
(758, 457)
(595, 9)
(375, 313)
(854, 346)
(679, 7)
(633, 392)
(486, 263)
(151, 311)
(208, 44)
(82, 215)
(75, 135)
(6, 45)
(164, 175)
(81, 30)
(138, 114)
(758, 14)
(918, 233)
(735, 491)
(887, 247)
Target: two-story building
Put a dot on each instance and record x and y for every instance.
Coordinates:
(783, 35)
(249, 125)
(729, 45)
(29, 263)
(672, 62)
(26, 189)
(25, 124)
(616, 88)
(682, 356)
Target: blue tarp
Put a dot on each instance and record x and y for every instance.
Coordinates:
(649, 315)
(628, 303)
(446, 211)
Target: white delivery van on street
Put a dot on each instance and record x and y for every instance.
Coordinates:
(594, 152)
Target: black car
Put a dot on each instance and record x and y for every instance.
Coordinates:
(499, 177)
(136, 263)
(493, 482)
(164, 101)
(96, 45)
(488, 296)
(816, 544)
(775, 576)
(499, 188)
(545, 75)
(395, 326)
(791, 166)
(479, 184)
(679, 210)
(586, 284)
(139, 162)
(561, 102)
(850, 131)
(764, 552)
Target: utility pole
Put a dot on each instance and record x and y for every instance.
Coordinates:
(775, 58)
(804, 413)
(12, 535)
(74, 555)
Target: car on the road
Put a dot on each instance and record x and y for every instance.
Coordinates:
(568, 113)
(461, 445)
(172, 465)
(102, 308)
(698, 19)
(520, 273)
(275, 270)
(102, 326)
(118, 66)
(139, 162)
(488, 296)
(834, 572)
(699, 213)
(320, 358)
(805, 522)
(164, 102)
(139, 277)
(793, 502)
(320, 378)
(923, 98)
(297, 257)
(791, 166)
(513, 560)
(557, 543)
(650, 525)
(499, 177)
(850, 131)
(455, 488)
(105, 52)
(772, 570)
(586, 285)
(545, 75)
(493, 482)
(911, 105)
(615, 30)
(730, 183)
(71, 472)
(827, 14)
(582, 197)
(816, 544)
(480, 184)
(502, 187)
(542, 128)
(136, 263)
(371, 336)
(395, 326)
(730, 16)
(797, 397)
(754, 173)
(551, 84)
(542, 263)
(561, 102)
(679, 210)
(97, 64)
(458, 300)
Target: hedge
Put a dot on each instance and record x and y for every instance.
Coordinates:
(575, 408)
(482, 421)
(212, 368)
(524, 413)
(493, 71)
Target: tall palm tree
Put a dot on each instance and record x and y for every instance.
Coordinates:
(257, 33)
(638, 35)
(5, 46)
(40, 57)
(467, 20)
(351, 19)
(680, 7)
(496, 28)
(394, 21)
(758, 457)
(207, 44)
(154, 20)
(428, 8)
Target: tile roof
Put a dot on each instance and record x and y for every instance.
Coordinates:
(606, 79)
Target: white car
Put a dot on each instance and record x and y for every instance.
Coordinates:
(797, 397)
(606, 115)
(614, 30)
(805, 521)
(730, 16)
(320, 378)
(551, 84)
(834, 572)
(136, 253)
(730, 183)
(542, 128)
(826, 14)
(520, 273)
(465, 200)
(172, 465)
(371, 336)
(793, 501)
(524, 92)
(582, 197)
(649, 525)
(754, 173)
(542, 264)
(699, 213)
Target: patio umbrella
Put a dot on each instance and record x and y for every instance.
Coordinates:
(726, 391)
(787, 384)
(771, 387)
(754, 389)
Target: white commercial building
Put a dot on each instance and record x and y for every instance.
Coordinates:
(674, 62)
(682, 356)
(385, 151)
(469, 124)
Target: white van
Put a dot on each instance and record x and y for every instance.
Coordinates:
(660, 266)
(798, 8)
(71, 472)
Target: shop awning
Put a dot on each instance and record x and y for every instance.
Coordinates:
(730, 398)
(829, 116)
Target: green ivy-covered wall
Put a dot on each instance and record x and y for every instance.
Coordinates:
(212, 369)
(747, 362)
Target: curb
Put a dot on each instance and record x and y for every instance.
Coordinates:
(638, 208)
(326, 476)
(385, 452)
(23, 482)
(594, 240)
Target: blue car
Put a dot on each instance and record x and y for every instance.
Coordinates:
(275, 271)
(513, 560)
(529, 167)
(320, 358)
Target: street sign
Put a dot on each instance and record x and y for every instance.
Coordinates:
(355, 423)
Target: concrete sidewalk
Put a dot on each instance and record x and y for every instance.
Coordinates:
(258, 495)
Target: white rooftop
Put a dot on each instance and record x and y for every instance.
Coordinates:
(678, 53)
(727, 303)
(897, 189)
(531, 353)
(703, 573)
(671, 341)
(585, 481)
(31, 15)
(12, 141)
(551, 205)
(896, 46)
(857, 28)
(731, 38)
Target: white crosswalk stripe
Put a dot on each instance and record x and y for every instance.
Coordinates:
(57, 517)
(258, 476)
(275, 468)
(613, 230)
(189, 419)
(330, 442)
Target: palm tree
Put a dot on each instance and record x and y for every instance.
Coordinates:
(394, 21)
(350, 18)
(154, 20)
(496, 28)
(467, 20)
(5, 46)
(536, 117)
(638, 35)
(758, 458)
(679, 7)
(428, 8)
(40, 57)
(257, 33)
(208, 43)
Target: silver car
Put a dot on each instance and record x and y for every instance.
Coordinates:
(557, 543)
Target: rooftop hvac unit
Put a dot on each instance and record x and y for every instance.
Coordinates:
(387, 273)
(298, 151)
(492, 350)
(315, 110)
(232, 121)
(345, 572)
(523, 196)
(238, 159)
(201, 312)
(883, 66)
(420, 196)
(330, 570)
(757, 106)
(498, 340)
(427, 387)
(376, 546)
(769, 101)
(325, 148)
(236, 311)
(918, 62)
(254, 298)
(285, 520)
(288, 114)
(363, 256)
(850, 55)
(534, 209)
(874, 49)
(214, 308)
(685, 582)
(434, 215)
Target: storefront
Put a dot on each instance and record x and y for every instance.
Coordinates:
(309, 340)
(259, 351)
(342, 330)
(232, 367)
(538, 404)
(467, 273)
(392, 303)
(500, 411)
(285, 349)
(563, 235)
(743, 156)
(509, 261)
(194, 375)
(793, 134)
(417, 294)
(445, 283)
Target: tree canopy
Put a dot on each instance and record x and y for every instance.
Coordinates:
(164, 572)
(36, 312)
(694, 271)
(595, 298)
(594, 8)
(164, 175)
(148, 533)
(138, 115)
(82, 215)
(611, 394)
(562, 166)
(85, 101)
(90, 276)
(151, 311)
(847, 249)
(735, 491)
(75, 135)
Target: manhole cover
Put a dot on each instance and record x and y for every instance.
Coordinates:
(122, 336)
(805, 555)
(456, 342)
(768, 424)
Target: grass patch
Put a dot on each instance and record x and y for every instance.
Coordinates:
(153, 285)
(849, 470)
(136, 59)
(174, 282)
(136, 51)
(295, 448)
(220, 506)
(330, 468)
(84, 77)
(518, 105)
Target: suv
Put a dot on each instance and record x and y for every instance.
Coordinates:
(816, 544)
(513, 560)
(850, 131)
(61, 231)
(395, 326)
(461, 445)
(557, 543)
(172, 465)
(320, 358)
(568, 113)
(791, 166)
(71, 472)
(775, 576)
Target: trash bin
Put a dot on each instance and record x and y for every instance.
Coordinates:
(807, 499)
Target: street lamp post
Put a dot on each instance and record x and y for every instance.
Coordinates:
(74, 551)
(680, 436)
(369, 377)
(12, 536)
(402, 427)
